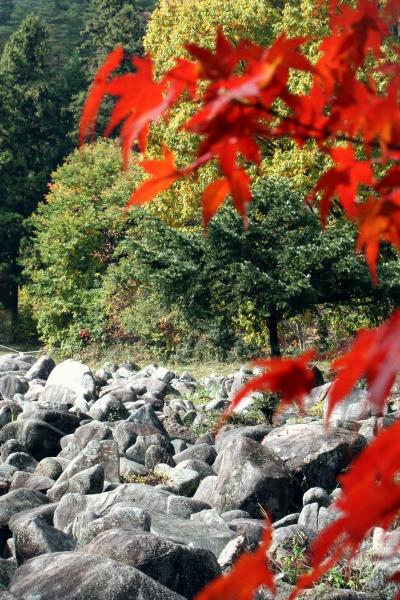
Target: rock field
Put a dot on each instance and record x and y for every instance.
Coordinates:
(113, 486)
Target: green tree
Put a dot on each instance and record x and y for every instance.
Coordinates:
(173, 24)
(74, 234)
(6, 9)
(64, 18)
(28, 149)
(112, 22)
(280, 267)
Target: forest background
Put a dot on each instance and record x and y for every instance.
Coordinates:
(82, 275)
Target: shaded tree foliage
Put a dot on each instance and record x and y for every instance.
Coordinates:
(281, 266)
(28, 144)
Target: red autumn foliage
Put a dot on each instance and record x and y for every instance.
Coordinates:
(292, 378)
(371, 483)
(164, 173)
(342, 181)
(375, 356)
(357, 124)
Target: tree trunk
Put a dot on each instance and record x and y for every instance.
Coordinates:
(14, 311)
(272, 323)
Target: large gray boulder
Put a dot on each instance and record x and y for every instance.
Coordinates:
(11, 385)
(203, 452)
(64, 421)
(193, 533)
(122, 516)
(77, 576)
(89, 481)
(94, 431)
(41, 369)
(314, 454)
(57, 396)
(230, 432)
(104, 453)
(355, 407)
(251, 476)
(22, 479)
(35, 536)
(140, 495)
(76, 376)
(18, 500)
(182, 569)
(39, 438)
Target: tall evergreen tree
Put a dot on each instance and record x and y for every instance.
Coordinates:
(28, 143)
(112, 22)
(6, 8)
(64, 18)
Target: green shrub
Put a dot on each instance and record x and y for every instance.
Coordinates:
(74, 234)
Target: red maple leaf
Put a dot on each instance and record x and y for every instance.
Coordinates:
(164, 173)
(213, 196)
(375, 356)
(378, 221)
(97, 93)
(293, 378)
(250, 572)
(223, 62)
(342, 181)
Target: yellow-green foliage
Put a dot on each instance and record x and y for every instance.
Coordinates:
(176, 22)
(173, 24)
(74, 233)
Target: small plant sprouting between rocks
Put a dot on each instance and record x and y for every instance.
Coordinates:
(149, 479)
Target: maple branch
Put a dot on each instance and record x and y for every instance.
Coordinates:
(324, 133)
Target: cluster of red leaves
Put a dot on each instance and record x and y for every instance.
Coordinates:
(375, 356)
(292, 378)
(243, 82)
(372, 483)
(351, 121)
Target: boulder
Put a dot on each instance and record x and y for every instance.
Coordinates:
(143, 496)
(122, 516)
(22, 461)
(18, 500)
(104, 453)
(146, 415)
(76, 376)
(203, 452)
(89, 432)
(57, 397)
(202, 468)
(315, 455)
(41, 369)
(22, 479)
(181, 569)
(252, 476)
(137, 452)
(35, 537)
(49, 467)
(11, 385)
(318, 495)
(193, 533)
(355, 407)
(230, 432)
(108, 408)
(78, 576)
(182, 507)
(66, 422)
(88, 481)
(39, 438)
